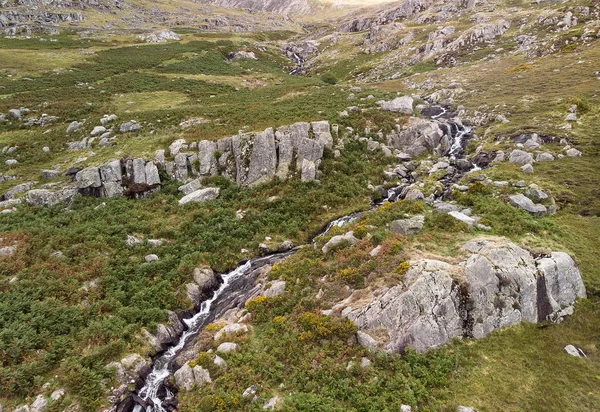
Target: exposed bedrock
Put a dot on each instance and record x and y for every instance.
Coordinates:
(496, 285)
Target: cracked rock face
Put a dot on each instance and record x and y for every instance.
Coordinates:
(496, 285)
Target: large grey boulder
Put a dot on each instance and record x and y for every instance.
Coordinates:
(498, 284)
(309, 171)
(562, 282)
(138, 171)
(20, 188)
(111, 171)
(322, 133)
(45, 197)
(408, 226)
(520, 157)
(523, 202)
(152, 176)
(402, 105)
(191, 187)
(184, 378)
(205, 278)
(128, 127)
(277, 288)
(88, 178)
(112, 189)
(263, 163)
(338, 240)
(181, 167)
(199, 196)
(40, 404)
(207, 159)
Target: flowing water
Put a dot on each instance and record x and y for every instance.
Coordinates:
(155, 396)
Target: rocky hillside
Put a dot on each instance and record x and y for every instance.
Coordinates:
(338, 206)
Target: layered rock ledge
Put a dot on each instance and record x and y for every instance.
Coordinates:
(498, 284)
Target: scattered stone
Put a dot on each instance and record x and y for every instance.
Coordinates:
(73, 126)
(272, 403)
(130, 126)
(202, 195)
(338, 240)
(98, 130)
(220, 362)
(365, 340)
(50, 174)
(150, 258)
(231, 329)
(527, 168)
(405, 408)
(571, 117)
(40, 404)
(205, 278)
(469, 221)
(160, 36)
(523, 202)
(227, 347)
(574, 351)
(191, 187)
(7, 251)
(277, 288)
(57, 394)
(408, 226)
(402, 105)
(573, 153)
(519, 157)
(544, 157)
(365, 363)
(414, 194)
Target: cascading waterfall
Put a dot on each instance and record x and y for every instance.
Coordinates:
(154, 396)
(160, 370)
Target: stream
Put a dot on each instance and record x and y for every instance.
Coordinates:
(239, 284)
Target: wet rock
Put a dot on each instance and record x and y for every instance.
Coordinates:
(523, 202)
(202, 195)
(338, 240)
(193, 293)
(408, 226)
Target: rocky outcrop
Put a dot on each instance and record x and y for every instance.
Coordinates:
(253, 158)
(419, 136)
(160, 36)
(496, 285)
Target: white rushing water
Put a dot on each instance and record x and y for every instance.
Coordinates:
(160, 370)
